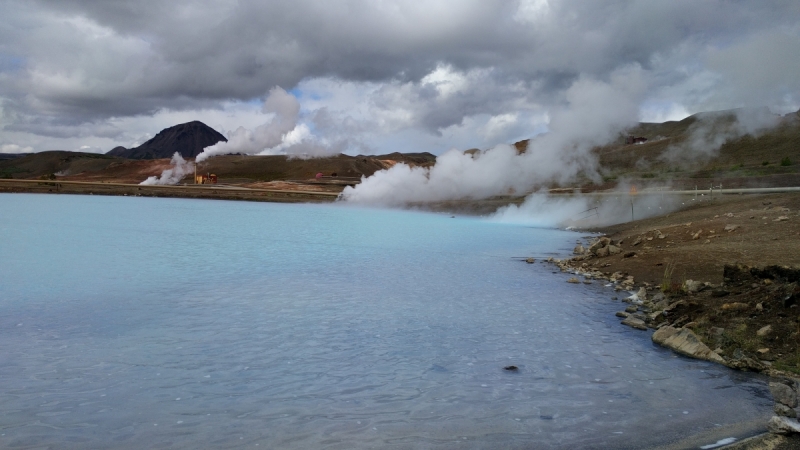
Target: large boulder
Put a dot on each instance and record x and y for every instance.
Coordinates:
(783, 425)
(598, 244)
(783, 393)
(634, 322)
(685, 342)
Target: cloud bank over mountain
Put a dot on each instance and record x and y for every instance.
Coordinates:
(375, 76)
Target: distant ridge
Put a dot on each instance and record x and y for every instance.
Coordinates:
(188, 139)
(4, 156)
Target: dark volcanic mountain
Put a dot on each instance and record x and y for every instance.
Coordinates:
(188, 139)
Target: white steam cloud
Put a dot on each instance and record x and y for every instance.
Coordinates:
(593, 113)
(713, 130)
(282, 134)
(543, 210)
(180, 168)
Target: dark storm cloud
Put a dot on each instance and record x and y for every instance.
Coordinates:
(69, 62)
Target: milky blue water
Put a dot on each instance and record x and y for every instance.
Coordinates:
(169, 323)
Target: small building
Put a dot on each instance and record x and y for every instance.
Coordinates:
(208, 178)
(635, 140)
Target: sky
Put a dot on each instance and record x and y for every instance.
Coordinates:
(378, 76)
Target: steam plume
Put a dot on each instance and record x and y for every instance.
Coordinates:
(713, 130)
(594, 112)
(280, 135)
(542, 210)
(180, 168)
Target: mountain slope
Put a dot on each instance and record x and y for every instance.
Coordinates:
(188, 139)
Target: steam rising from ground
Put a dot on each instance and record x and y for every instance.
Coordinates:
(280, 135)
(180, 168)
(712, 130)
(582, 211)
(593, 113)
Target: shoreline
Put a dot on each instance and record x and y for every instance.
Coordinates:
(705, 269)
(216, 192)
(716, 281)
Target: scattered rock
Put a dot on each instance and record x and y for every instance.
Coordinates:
(781, 219)
(601, 252)
(783, 410)
(783, 394)
(573, 280)
(598, 244)
(659, 301)
(730, 228)
(707, 241)
(743, 362)
(735, 306)
(685, 342)
(783, 425)
(613, 250)
(631, 309)
(629, 255)
(622, 314)
(579, 250)
(511, 368)
(638, 298)
(696, 236)
(635, 323)
(693, 286)
(653, 317)
(637, 241)
(763, 331)
(530, 260)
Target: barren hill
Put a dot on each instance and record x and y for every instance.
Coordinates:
(701, 150)
(56, 162)
(188, 139)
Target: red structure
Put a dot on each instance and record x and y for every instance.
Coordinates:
(208, 178)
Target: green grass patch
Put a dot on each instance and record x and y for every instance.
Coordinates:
(9, 172)
(741, 337)
(786, 161)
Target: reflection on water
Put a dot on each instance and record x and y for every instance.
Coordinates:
(167, 323)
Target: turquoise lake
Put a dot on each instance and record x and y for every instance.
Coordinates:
(172, 323)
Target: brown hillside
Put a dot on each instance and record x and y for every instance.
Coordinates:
(58, 162)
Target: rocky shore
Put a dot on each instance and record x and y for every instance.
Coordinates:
(745, 323)
(718, 282)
